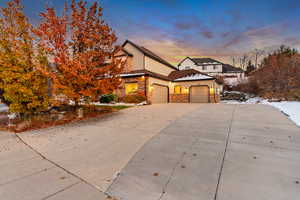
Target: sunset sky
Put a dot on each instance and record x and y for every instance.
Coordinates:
(205, 28)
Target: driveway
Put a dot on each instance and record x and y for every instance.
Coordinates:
(173, 151)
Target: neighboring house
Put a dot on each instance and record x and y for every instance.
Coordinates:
(148, 74)
(213, 68)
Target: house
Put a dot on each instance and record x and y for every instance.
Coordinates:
(150, 75)
(213, 68)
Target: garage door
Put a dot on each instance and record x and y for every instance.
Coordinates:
(160, 94)
(199, 94)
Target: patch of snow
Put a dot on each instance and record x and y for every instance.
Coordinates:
(132, 74)
(194, 77)
(290, 108)
(3, 108)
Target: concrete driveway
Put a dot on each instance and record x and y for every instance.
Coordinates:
(174, 151)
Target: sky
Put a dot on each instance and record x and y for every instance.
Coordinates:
(175, 29)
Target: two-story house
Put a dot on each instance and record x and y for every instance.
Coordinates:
(212, 67)
(148, 74)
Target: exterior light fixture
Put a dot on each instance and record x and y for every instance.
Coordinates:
(143, 77)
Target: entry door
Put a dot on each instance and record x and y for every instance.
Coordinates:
(160, 94)
(199, 94)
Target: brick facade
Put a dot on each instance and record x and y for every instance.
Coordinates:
(141, 81)
(179, 98)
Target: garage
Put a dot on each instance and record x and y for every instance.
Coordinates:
(160, 94)
(199, 94)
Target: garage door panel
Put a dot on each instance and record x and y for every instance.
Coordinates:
(199, 94)
(160, 94)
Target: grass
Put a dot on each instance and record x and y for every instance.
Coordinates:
(118, 107)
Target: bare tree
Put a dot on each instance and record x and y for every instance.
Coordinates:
(257, 54)
(243, 61)
(233, 60)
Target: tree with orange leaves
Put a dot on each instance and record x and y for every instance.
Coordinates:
(22, 85)
(81, 49)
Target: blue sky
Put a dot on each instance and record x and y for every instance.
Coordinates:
(207, 28)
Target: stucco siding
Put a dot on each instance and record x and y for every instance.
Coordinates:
(157, 67)
(187, 63)
(137, 59)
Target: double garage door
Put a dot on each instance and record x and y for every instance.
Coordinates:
(199, 94)
(160, 94)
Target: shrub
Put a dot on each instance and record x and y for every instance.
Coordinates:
(108, 98)
(133, 98)
(277, 77)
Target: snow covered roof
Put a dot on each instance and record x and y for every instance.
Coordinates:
(195, 77)
(132, 74)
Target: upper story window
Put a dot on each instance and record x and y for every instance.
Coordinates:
(215, 67)
(188, 67)
(204, 67)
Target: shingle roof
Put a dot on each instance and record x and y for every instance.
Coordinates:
(229, 68)
(200, 61)
(150, 54)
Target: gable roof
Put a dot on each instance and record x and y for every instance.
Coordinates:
(200, 61)
(143, 72)
(229, 68)
(150, 54)
(189, 74)
(125, 53)
(226, 68)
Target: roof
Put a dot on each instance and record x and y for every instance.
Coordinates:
(126, 53)
(226, 68)
(201, 61)
(189, 74)
(229, 68)
(195, 77)
(143, 72)
(150, 54)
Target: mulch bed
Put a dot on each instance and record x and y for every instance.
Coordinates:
(55, 117)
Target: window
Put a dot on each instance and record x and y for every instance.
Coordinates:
(187, 67)
(179, 90)
(204, 68)
(215, 67)
(131, 88)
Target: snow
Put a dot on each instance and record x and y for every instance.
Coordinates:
(120, 104)
(290, 108)
(194, 77)
(3, 108)
(133, 74)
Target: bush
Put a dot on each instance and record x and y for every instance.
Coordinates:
(133, 98)
(108, 98)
